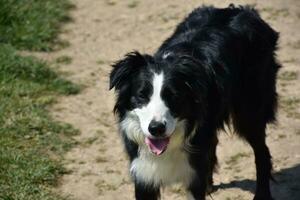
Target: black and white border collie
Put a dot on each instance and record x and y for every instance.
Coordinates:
(218, 67)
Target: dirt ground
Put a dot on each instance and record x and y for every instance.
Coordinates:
(102, 31)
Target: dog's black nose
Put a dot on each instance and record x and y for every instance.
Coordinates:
(157, 128)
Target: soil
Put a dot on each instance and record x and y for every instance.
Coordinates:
(102, 32)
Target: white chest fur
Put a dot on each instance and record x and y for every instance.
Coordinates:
(170, 167)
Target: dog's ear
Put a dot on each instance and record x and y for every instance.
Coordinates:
(125, 69)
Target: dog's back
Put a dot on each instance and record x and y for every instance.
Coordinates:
(239, 47)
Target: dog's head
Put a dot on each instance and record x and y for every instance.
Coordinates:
(158, 95)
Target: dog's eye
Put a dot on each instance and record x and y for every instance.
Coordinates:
(142, 96)
(139, 98)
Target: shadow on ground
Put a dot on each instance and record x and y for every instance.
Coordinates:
(287, 185)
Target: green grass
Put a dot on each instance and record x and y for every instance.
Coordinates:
(64, 60)
(101, 62)
(288, 75)
(274, 14)
(31, 142)
(290, 105)
(111, 2)
(29, 77)
(32, 24)
(28, 135)
(105, 186)
(133, 4)
(233, 160)
(101, 159)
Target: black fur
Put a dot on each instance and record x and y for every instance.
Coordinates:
(220, 67)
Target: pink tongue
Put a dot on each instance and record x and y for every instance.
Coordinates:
(157, 146)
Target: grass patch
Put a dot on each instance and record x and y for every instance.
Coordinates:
(31, 143)
(111, 2)
(28, 135)
(64, 60)
(101, 159)
(290, 60)
(133, 4)
(27, 76)
(235, 158)
(89, 141)
(32, 24)
(100, 62)
(290, 105)
(288, 75)
(104, 186)
(281, 136)
(273, 13)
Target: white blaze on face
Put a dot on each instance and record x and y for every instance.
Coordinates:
(156, 109)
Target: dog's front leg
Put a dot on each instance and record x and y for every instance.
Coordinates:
(201, 146)
(146, 192)
(198, 186)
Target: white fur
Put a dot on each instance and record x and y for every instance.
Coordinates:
(166, 54)
(170, 167)
(156, 109)
(131, 126)
(173, 165)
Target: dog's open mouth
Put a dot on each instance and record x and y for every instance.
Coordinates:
(157, 146)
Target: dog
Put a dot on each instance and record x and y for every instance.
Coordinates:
(218, 68)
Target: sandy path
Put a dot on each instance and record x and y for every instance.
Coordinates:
(103, 31)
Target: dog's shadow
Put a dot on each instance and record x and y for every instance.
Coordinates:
(287, 185)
